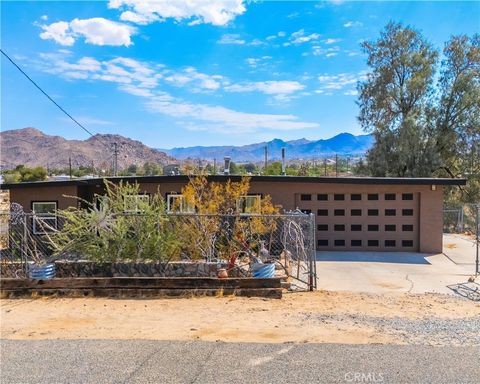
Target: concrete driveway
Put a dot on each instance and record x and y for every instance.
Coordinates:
(381, 272)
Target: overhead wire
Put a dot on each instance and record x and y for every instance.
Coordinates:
(52, 100)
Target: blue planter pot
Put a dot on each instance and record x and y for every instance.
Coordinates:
(46, 271)
(263, 271)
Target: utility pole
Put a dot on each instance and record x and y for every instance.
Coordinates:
(115, 159)
(336, 165)
(266, 160)
(93, 169)
(70, 166)
(325, 166)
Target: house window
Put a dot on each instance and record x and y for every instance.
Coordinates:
(135, 203)
(356, 227)
(305, 197)
(249, 204)
(356, 196)
(390, 227)
(339, 212)
(390, 196)
(407, 196)
(176, 204)
(356, 243)
(339, 243)
(339, 227)
(356, 212)
(322, 243)
(407, 243)
(407, 212)
(373, 196)
(322, 197)
(45, 219)
(390, 212)
(373, 227)
(373, 243)
(390, 243)
(338, 197)
(373, 212)
(407, 227)
(322, 227)
(322, 212)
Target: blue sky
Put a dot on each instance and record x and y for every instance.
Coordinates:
(174, 73)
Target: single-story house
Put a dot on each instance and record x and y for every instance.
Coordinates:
(351, 213)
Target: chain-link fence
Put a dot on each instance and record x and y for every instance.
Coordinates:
(239, 241)
(465, 220)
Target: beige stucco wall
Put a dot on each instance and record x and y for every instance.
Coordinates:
(427, 205)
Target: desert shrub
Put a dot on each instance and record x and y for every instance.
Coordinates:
(114, 230)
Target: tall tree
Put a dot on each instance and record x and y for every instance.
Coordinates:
(458, 113)
(394, 103)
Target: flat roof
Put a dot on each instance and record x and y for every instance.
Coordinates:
(222, 178)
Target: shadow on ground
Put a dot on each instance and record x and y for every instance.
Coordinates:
(376, 257)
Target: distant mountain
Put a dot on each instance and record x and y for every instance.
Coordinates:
(31, 147)
(342, 144)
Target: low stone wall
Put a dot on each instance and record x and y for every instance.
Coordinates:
(94, 269)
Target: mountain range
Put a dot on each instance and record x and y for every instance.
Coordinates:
(31, 147)
(342, 144)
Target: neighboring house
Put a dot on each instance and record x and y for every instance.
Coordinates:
(351, 213)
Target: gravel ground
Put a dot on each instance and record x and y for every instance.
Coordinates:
(426, 331)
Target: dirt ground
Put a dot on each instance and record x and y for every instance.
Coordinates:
(320, 317)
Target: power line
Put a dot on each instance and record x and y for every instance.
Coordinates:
(49, 98)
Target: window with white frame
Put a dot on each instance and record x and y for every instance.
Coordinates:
(176, 203)
(249, 204)
(136, 203)
(45, 218)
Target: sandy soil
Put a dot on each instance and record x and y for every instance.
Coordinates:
(298, 317)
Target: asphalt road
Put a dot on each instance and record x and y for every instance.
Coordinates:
(140, 361)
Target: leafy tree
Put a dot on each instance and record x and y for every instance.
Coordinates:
(23, 174)
(422, 128)
(394, 102)
(458, 113)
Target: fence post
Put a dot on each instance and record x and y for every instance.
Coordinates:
(477, 223)
(312, 275)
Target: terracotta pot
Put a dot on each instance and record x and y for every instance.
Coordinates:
(222, 273)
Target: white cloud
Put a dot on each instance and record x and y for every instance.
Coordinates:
(328, 52)
(267, 87)
(331, 41)
(218, 12)
(96, 31)
(197, 81)
(231, 38)
(351, 24)
(143, 80)
(255, 62)
(341, 81)
(221, 119)
(300, 37)
(44, 17)
(59, 31)
(282, 90)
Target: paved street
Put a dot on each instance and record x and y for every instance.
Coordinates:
(137, 361)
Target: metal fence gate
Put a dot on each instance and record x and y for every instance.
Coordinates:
(464, 219)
